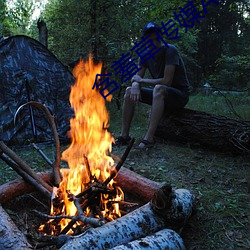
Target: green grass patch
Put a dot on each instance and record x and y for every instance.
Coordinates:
(233, 106)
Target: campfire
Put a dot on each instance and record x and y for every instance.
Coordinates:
(87, 188)
(87, 198)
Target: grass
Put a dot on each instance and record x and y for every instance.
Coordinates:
(234, 106)
(219, 180)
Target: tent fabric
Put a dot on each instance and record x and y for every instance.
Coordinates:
(29, 71)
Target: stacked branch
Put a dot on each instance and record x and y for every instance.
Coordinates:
(96, 198)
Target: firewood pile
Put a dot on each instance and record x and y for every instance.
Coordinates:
(87, 206)
(155, 222)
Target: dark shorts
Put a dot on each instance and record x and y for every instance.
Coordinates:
(174, 100)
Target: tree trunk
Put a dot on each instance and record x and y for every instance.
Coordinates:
(212, 131)
(43, 32)
(10, 237)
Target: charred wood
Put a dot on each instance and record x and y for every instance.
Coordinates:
(120, 163)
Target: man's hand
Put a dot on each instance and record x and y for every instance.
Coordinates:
(135, 93)
(136, 78)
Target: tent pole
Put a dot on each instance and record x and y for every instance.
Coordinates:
(33, 125)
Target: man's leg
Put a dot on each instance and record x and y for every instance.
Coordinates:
(127, 113)
(156, 112)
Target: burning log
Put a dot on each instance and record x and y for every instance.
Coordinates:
(165, 210)
(10, 237)
(120, 163)
(163, 239)
(216, 132)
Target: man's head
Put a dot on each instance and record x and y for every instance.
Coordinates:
(150, 28)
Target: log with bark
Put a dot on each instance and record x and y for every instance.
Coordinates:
(150, 218)
(10, 237)
(161, 240)
(18, 187)
(131, 183)
(212, 131)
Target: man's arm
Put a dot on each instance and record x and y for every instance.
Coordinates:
(135, 93)
(167, 79)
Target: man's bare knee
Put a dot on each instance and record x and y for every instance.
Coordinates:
(127, 92)
(159, 90)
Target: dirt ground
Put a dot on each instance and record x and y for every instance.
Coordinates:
(220, 182)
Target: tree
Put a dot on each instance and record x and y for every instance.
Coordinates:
(20, 16)
(4, 22)
(224, 34)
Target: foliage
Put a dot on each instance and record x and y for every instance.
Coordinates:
(109, 29)
(232, 71)
(20, 16)
(4, 24)
(224, 34)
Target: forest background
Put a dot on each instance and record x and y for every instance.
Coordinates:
(216, 48)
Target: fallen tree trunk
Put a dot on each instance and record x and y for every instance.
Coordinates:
(163, 239)
(212, 131)
(10, 237)
(150, 218)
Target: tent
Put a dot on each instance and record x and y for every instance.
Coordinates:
(30, 72)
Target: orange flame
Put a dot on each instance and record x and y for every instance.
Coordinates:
(90, 139)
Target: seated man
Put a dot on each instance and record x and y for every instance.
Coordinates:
(168, 89)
